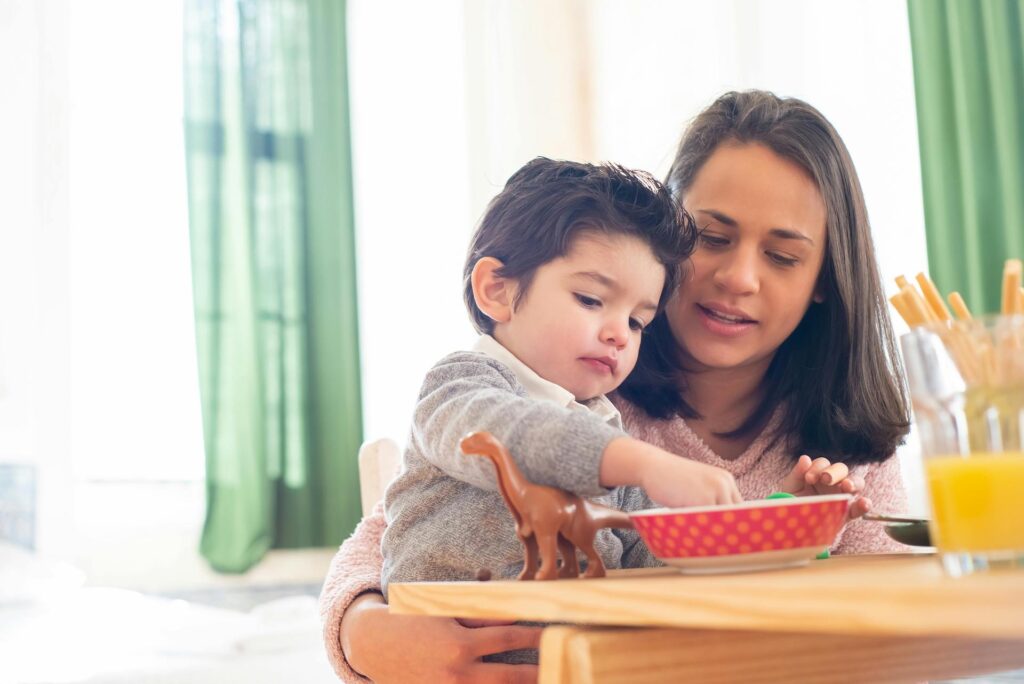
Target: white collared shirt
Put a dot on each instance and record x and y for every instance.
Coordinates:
(545, 390)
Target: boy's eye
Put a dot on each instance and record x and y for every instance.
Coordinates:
(586, 301)
(781, 260)
(636, 324)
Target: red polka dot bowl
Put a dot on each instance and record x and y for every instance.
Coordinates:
(753, 535)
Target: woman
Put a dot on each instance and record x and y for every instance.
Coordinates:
(777, 344)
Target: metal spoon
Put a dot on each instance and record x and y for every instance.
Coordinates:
(905, 530)
(881, 517)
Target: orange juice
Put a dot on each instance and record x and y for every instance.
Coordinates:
(977, 501)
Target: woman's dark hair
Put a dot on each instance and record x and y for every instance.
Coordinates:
(546, 204)
(838, 373)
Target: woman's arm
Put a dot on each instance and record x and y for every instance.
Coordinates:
(362, 638)
(354, 570)
(413, 648)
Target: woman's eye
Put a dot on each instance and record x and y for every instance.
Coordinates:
(713, 240)
(781, 260)
(586, 301)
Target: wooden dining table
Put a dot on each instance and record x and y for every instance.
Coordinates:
(865, 618)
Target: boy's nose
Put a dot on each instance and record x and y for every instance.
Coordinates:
(616, 332)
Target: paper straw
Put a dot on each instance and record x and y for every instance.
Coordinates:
(960, 306)
(1011, 283)
(934, 299)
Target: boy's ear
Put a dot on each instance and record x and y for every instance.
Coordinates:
(493, 293)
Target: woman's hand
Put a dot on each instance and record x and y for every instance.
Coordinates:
(820, 476)
(413, 648)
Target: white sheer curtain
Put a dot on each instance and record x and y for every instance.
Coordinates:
(446, 111)
(134, 383)
(35, 338)
(664, 61)
(97, 354)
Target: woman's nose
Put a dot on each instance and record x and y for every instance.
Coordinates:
(737, 272)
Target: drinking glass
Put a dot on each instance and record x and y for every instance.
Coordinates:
(966, 381)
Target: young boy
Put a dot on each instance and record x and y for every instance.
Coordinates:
(568, 265)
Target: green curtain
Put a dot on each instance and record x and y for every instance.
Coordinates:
(969, 80)
(271, 224)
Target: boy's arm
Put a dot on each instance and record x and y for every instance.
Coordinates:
(572, 450)
(553, 445)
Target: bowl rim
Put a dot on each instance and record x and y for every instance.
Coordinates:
(753, 503)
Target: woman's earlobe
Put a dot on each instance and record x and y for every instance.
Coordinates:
(819, 291)
(493, 293)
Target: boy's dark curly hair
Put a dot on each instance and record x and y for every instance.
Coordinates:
(547, 203)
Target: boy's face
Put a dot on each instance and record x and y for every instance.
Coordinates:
(580, 321)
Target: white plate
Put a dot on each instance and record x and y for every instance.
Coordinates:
(745, 562)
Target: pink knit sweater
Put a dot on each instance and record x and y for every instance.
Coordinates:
(759, 471)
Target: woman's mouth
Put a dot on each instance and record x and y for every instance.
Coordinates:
(722, 323)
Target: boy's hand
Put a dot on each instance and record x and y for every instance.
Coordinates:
(820, 476)
(669, 480)
(676, 481)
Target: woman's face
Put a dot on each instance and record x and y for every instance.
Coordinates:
(756, 265)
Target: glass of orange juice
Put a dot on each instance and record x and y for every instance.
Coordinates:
(966, 382)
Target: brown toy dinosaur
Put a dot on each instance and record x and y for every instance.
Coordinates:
(547, 519)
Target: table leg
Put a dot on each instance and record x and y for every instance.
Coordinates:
(578, 655)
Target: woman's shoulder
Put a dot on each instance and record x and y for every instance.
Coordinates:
(885, 471)
(668, 433)
(634, 418)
